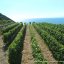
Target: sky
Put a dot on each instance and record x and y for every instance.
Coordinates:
(25, 9)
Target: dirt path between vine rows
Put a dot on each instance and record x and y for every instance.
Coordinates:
(44, 48)
(27, 57)
(3, 55)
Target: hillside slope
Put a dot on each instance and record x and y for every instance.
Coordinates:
(4, 19)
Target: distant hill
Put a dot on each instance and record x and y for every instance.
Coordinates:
(4, 19)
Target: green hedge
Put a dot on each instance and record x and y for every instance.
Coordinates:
(54, 32)
(9, 27)
(56, 48)
(8, 36)
(16, 47)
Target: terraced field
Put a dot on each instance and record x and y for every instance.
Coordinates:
(36, 43)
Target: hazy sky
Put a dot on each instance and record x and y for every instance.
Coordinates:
(22, 9)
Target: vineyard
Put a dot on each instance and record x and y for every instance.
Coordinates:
(32, 43)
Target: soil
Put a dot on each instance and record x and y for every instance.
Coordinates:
(27, 57)
(44, 48)
(3, 55)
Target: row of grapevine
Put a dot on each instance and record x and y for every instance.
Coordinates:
(58, 27)
(56, 48)
(58, 35)
(9, 36)
(8, 24)
(36, 51)
(16, 47)
(9, 27)
(2, 27)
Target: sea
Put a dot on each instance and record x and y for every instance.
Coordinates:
(48, 20)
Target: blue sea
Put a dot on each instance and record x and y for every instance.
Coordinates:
(48, 20)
